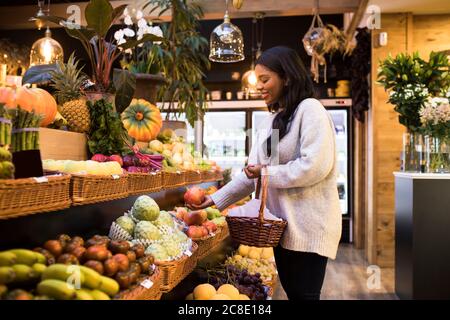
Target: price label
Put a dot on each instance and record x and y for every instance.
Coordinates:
(178, 172)
(198, 171)
(188, 253)
(153, 173)
(147, 284)
(115, 176)
(212, 234)
(41, 179)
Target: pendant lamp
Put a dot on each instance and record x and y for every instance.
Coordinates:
(226, 42)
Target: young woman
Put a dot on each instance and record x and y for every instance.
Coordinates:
(301, 169)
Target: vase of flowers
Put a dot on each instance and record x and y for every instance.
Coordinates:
(435, 117)
(410, 81)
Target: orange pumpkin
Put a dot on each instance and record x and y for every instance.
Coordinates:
(38, 100)
(8, 97)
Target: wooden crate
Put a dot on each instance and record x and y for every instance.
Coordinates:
(62, 145)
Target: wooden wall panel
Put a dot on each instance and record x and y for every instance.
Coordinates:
(431, 33)
(384, 152)
(406, 33)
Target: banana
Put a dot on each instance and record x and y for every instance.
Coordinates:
(24, 273)
(109, 286)
(24, 256)
(40, 258)
(99, 295)
(39, 268)
(92, 279)
(7, 275)
(56, 289)
(83, 294)
(64, 272)
(7, 258)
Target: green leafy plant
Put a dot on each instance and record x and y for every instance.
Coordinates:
(410, 80)
(184, 59)
(106, 135)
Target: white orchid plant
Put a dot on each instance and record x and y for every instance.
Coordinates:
(145, 56)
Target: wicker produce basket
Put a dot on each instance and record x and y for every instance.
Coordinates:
(20, 197)
(206, 244)
(193, 177)
(173, 179)
(173, 272)
(141, 292)
(139, 183)
(256, 231)
(208, 175)
(223, 233)
(85, 189)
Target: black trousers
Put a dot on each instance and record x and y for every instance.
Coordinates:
(301, 273)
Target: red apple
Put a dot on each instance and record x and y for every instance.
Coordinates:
(99, 158)
(211, 226)
(195, 232)
(194, 195)
(195, 217)
(181, 212)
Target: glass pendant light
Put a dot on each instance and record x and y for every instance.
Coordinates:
(226, 42)
(46, 50)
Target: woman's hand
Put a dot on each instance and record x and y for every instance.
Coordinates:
(208, 202)
(253, 171)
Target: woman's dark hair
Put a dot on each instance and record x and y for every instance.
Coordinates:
(299, 86)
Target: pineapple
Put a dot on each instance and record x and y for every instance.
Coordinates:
(67, 81)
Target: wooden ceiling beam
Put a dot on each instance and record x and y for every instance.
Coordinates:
(356, 19)
(16, 17)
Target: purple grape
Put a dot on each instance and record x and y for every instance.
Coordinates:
(257, 275)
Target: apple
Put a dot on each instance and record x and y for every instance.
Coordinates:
(211, 226)
(194, 195)
(195, 217)
(181, 212)
(195, 232)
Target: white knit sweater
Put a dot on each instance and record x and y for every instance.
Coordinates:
(302, 185)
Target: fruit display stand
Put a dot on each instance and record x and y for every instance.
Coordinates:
(193, 176)
(206, 244)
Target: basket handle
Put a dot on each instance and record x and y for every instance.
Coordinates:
(261, 187)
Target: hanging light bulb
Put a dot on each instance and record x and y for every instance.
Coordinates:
(226, 42)
(249, 79)
(38, 21)
(46, 50)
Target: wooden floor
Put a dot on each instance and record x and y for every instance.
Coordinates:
(347, 278)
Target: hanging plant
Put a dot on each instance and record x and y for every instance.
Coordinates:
(321, 40)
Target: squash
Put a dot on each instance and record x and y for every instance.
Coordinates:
(28, 99)
(8, 97)
(142, 120)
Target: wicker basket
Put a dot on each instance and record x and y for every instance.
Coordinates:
(139, 183)
(222, 234)
(85, 189)
(257, 231)
(206, 244)
(208, 175)
(142, 293)
(20, 197)
(173, 272)
(173, 179)
(193, 177)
